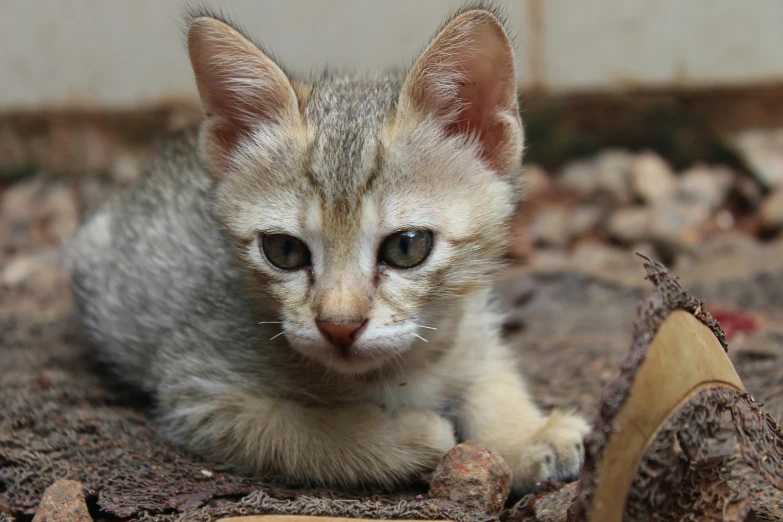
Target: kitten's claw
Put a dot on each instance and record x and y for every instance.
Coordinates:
(554, 453)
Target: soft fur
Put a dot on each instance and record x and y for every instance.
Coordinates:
(177, 296)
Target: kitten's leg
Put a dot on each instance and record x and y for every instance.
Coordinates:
(498, 412)
(346, 446)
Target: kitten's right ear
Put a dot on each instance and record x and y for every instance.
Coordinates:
(241, 89)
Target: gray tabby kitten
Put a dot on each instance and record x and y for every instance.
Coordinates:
(302, 284)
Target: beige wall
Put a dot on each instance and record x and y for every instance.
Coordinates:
(128, 52)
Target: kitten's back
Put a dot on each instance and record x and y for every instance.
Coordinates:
(152, 262)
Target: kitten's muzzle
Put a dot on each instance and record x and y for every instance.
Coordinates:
(341, 334)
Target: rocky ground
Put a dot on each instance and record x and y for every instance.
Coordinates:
(571, 298)
(593, 211)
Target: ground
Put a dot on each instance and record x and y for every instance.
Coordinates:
(570, 293)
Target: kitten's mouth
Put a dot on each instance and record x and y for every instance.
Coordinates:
(349, 359)
(353, 359)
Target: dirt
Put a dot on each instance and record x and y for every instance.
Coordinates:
(570, 324)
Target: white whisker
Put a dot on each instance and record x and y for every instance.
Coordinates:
(397, 358)
(276, 336)
(271, 322)
(427, 327)
(420, 337)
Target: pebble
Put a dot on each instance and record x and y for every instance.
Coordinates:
(473, 477)
(551, 227)
(125, 168)
(629, 224)
(762, 152)
(724, 220)
(48, 209)
(550, 259)
(676, 222)
(705, 186)
(652, 178)
(584, 219)
(594, 256)
(772, 210)
(716, 246)
(63, 501)
(749, 192)
(535, 181)
(615, 174)
(725, 243)
(580, 178)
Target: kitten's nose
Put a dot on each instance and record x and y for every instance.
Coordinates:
(341, 334)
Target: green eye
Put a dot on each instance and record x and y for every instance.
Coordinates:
(406, 249)
(285, 251)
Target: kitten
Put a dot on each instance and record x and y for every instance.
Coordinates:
(303, 283)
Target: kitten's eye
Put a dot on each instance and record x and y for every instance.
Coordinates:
(285, 251)
(406, 249)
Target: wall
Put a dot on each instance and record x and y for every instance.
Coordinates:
(122, 53)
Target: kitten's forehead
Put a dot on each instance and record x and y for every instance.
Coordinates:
(344, 116)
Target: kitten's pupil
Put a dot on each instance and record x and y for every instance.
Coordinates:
(405, 245)
(406, 249)
(288, 247)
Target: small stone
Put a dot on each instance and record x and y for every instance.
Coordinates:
(614, 174)
(63, 501)
(762, 151)
(772, 210)
(629, 225)
(724, 220)
(126, 168)
(652, 178)
(550, 259)
(584, 219)
(551, 227)
(725, 243)
(593, 256)
(748, 191)
(705, 186)
(580, 178)
(474, 477)
(677, 222)
(48, 209)
(535, 181)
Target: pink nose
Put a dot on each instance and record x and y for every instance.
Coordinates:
(341, 334)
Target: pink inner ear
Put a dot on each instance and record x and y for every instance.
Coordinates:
(482, 96)
(240, 87)
(467, 78)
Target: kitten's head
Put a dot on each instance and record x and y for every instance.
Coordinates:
(365, 208)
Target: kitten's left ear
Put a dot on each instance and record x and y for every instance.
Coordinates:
(466, 80)
(241, 88)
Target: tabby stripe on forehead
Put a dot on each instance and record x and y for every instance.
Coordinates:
(308, 173)
(374, 173)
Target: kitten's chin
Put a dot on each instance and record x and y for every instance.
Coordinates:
(352, 361)
(354, 364)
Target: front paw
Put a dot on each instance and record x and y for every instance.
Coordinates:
(554, 453)
(427, 434)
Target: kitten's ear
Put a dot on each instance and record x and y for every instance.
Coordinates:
(467, 81)
(241, 89)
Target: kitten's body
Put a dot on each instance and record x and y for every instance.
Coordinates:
(176, 294)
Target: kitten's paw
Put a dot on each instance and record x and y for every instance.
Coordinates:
(430, 435)
(554, 453)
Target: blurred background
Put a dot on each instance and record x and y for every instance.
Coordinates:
(651, 126)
